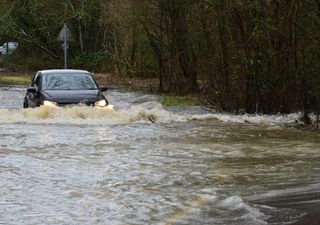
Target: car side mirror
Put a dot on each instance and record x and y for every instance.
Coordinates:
(103, 89)
(32, 89)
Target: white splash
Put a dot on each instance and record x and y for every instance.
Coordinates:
(144, 112)
(252, 118)
(246, 212)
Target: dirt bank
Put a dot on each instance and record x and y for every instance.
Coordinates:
(113, 81)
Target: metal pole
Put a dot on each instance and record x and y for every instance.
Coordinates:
(7, 48)
(65, 45)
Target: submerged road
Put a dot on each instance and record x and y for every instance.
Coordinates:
(143, 163)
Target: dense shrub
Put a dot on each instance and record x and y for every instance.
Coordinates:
(97, 61)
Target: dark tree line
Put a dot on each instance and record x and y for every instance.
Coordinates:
(242, 55)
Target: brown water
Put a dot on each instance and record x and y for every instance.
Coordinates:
(143, 163)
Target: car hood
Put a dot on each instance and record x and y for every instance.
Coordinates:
(72, 96)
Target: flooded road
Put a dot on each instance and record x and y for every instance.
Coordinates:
(143, 163)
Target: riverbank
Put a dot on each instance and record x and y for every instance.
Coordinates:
(116, 82)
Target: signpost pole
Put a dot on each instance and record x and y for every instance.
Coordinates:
(64, 36)
(65, 46)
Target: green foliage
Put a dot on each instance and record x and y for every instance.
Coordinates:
(91, 61)
(179, 101)
(23, 59)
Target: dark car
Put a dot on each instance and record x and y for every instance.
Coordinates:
(64, 87)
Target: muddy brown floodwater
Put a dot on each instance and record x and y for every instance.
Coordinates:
(143, 163)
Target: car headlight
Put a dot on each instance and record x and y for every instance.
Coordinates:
(49, 103)
(101, 103)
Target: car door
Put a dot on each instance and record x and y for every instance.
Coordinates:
(34, 97)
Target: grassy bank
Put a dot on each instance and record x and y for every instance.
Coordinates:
(179, 101)
(14, 80)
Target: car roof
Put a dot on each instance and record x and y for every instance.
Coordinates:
(62, 71)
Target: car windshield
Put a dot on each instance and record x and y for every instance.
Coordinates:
(68, 82)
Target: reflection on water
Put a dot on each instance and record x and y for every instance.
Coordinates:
(143, 163)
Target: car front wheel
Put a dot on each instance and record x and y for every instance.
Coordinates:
(25, 104)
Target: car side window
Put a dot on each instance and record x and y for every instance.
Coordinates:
(36, 81)
(33, 80)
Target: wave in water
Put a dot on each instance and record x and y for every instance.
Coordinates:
(246, 213)
(137, 113)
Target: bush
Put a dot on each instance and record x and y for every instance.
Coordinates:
(20, 61)
(96, 61)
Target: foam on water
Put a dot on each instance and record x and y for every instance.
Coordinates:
(247, 213)
(251, 118)
(145, 112)
(130, 107)
(86, 115)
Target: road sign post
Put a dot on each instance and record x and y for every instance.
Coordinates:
(65, 36)
(65, 48)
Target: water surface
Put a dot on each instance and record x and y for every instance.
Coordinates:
(143, 163)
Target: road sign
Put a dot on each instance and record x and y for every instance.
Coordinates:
(65, 45)
(65, 35)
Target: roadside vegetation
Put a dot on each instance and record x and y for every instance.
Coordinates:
(240, 56)
(169, 100)
(14, 80)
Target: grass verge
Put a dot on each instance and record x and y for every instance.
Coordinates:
(179, 101)
(15, 80)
